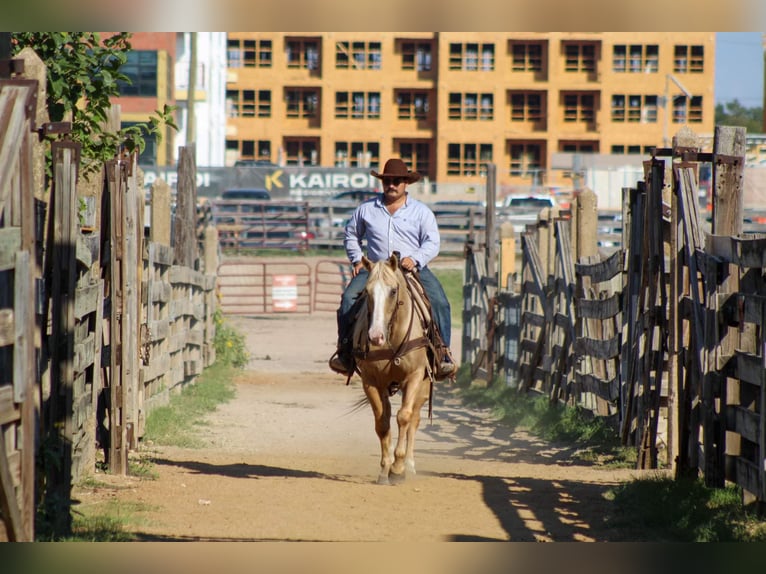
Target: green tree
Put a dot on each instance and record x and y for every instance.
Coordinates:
(83, 74)
(735, 114)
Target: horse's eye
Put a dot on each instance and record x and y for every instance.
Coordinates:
(393, 292)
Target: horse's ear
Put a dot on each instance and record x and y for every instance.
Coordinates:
(393, 261)
(366, 263)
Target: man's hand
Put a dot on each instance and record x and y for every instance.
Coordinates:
(357, 268)
(408, 264)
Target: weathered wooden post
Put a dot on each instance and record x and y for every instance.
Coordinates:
(159, 229)
(728, 207)
(491, 255)
(679, 328)
(507, 256)
(185, 232)
(587, 224)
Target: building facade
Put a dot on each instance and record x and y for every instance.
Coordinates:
(149, 68)
(448, 103)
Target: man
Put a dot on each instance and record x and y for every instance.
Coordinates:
(392, 222)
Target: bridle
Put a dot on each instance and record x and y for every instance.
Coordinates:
(407, 344)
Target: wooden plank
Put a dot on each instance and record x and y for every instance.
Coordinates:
(603, 270)
(9, 410)
(728, 193)
(7, 328)
(24, 314)
(14, 122)
(746, 475)
(608, 390)
(597, 348)
(749, 368)
(10, 243)
(86, 300)
(9, 501)
(600, 308)
(743, 422)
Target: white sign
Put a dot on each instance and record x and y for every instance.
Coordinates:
(284, 293)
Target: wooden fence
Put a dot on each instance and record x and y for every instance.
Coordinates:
(663, 337)
(99, 321)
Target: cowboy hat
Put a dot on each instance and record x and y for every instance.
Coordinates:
(397, 168)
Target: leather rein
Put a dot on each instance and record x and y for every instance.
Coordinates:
(407, 345)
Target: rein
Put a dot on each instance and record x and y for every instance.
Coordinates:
(407, 345)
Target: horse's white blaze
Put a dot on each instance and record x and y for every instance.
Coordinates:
(377, 330)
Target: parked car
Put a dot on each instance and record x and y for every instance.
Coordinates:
(529, 201)
(523, 209)
(355, 195)
(254, 163)
(251, 193)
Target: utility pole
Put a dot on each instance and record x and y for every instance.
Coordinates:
(190, 117)
(668, 105)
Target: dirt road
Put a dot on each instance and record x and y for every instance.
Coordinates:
(290, 459)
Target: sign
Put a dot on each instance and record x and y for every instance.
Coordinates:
(284, 293)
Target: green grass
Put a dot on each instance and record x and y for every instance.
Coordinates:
(173, 424)
(661, 509)
(107, 521)
(654, 509)
(597, 442)
(452, 282)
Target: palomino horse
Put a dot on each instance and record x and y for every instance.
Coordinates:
(392, 350)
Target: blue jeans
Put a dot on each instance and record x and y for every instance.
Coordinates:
(439, 303)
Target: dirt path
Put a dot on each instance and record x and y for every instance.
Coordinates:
(290, 459)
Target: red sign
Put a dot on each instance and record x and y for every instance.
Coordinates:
(284, 293)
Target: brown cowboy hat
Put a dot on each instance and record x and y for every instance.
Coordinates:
(397, 168)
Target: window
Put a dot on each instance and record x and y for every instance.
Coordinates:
(578, 146)
(634, 108)
(357, 154)
(689, 59)
(687, 111)
(526, 57)
(527, 107)
(629, 149)
(467, 57)
(248, 53)
(301, 151)
(250, 149)
(619, 58)
(149, 155)
(302, 54)
(636, 58)
(302, 102)
(526, 158)
(248, 103)
(358, 55)
(468, 159)
(579, 108)
(579, 57)
(357, 105)
(141, 70)
(416, 56)
(417, 155)
(471, 106)
(412, 105)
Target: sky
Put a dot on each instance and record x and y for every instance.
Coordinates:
(739, 68)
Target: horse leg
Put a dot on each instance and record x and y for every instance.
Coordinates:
(409, 457)
(408, 419)
(381, 410)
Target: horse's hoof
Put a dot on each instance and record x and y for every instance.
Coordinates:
(396, 478)
(383, 479)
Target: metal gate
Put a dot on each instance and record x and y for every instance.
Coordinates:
(254, 286)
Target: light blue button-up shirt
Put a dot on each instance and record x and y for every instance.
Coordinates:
(412, 231)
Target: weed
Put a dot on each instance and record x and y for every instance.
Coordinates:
(172, 424)
(230, 348)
